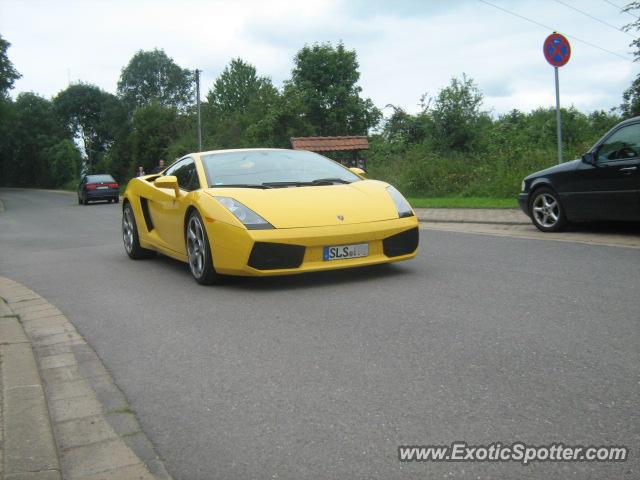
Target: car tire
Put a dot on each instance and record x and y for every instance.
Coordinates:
(85, 201)
(79, 200)
(116, 200)
(546, 211)
(199, 251)
(130, 236)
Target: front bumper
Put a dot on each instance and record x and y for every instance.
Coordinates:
(232, 247)
(523, 200)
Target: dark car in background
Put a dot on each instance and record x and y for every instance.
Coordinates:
(98, 187)
(602, 185)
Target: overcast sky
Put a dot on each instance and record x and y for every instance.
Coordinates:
(405, 47)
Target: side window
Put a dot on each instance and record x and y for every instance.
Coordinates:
(171, 170)
(622, 145)
(185, 172)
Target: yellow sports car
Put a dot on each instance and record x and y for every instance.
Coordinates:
(266, 212)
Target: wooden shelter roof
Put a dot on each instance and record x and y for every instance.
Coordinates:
(330, 144)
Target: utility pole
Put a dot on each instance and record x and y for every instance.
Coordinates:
(198, 103)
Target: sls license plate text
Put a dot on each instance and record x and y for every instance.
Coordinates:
(346, 251)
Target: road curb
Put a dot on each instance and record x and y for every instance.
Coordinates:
(482, 222)
(487, 216)
(62, 416)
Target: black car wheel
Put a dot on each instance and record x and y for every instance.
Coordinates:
(85, 201)
(116, 200)
(199, 251)
(79, 200)
(130, 236)
(546, 211)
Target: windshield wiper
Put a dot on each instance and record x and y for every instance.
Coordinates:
(321, 181)
(318, 181)
(241, 185)
(286, 184)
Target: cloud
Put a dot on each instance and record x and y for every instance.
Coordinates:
(405, 48)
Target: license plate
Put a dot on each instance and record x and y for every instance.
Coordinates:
(341, 252)
(101, 188)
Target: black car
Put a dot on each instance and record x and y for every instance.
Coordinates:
(603, 185)
(98, 187)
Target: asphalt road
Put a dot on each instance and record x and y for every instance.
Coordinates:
(480, 339)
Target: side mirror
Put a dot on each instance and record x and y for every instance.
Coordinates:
(170, 183)
(589, 158)
(358, 171)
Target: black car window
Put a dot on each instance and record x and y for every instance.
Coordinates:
(185, 172)
(622, 145)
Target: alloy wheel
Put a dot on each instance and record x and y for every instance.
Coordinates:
(546, 210)
(196, 246)
(127, 229)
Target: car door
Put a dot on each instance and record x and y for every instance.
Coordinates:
(609, 188)
(167, 211)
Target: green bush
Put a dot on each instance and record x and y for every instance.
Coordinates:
(491, 164)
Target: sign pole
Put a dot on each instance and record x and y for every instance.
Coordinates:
(558, 117)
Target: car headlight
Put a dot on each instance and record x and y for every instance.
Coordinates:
(248, 217)
(403, 207)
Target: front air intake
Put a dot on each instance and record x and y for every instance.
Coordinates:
(274, 256)
(402, 243)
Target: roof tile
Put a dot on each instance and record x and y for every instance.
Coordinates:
(329, 144)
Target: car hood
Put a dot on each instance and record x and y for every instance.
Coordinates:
(562, 167)
(316, 206)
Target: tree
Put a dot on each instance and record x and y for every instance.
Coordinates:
(65, 162)
(7, 142)
(241, 107)
(92, 115)
(630, 106)
(402, 127)
(8, 74)
(153, 129)
(455, 115)
(239, 89)
(324, 82)
(34, 131)
(631, 100)
(153, 77)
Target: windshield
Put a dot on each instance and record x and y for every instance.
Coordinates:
(273, 168)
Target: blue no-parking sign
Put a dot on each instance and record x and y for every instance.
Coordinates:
(557, 49)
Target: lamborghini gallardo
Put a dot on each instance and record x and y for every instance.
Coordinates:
(266, 212)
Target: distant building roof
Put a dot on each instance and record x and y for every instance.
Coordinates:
(330, 144)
